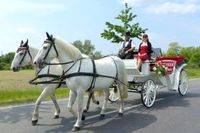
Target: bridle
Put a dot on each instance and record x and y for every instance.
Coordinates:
(52, 44)
(24, 55)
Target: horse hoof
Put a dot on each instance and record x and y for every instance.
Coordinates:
(34, 122)
(120, 114)
(83, 117)
(76, 129)
(98, 103)
(102, 116)
(85, 110)
(56, 116)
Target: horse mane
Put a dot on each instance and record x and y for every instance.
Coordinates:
(70, 49)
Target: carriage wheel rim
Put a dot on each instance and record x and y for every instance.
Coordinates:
(149, 93)
(183, 86)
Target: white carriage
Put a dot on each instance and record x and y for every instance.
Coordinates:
(148, 81)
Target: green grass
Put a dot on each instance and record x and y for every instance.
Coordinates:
(14, 87)
(193, 72)
(26, 95)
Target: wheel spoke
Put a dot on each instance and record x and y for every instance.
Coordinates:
(149, 93)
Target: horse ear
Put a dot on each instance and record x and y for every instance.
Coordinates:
(48, 36)
(26, 43)
(21, 43)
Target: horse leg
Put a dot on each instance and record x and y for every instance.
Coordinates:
(102, 114)
(35, 116)
(80, 99)
(94, 100)
(57, 112)
(90, 94)
(72, 98)
(121, 94)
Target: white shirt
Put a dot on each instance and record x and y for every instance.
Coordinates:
(126, 43)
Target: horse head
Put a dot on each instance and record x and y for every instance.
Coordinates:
(47, 52)
(22, 56)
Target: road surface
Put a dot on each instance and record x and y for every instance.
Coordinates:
(171, 113)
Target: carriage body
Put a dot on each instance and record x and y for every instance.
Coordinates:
(147, 82)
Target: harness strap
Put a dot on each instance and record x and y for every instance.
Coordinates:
(79, 66)
(94, 77)
(30, 55)
(61, 81)
(48, 69)
(115, 67)
(52, 81)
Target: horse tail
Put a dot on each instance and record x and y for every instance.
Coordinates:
(122, 77)
(125, 86)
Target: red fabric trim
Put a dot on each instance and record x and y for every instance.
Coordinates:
(178, 59)
(169, 62)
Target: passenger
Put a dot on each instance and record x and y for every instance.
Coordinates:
(127, 47)
(144, 52)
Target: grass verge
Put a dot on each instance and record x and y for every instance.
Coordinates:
(193, 73)
(12, 87)
(8, 97)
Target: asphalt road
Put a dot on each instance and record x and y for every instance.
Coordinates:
(171, 113)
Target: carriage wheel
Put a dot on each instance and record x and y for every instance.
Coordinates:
(148, 94)
(114, 94)
(183, 83)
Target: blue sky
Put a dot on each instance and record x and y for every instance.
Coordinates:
(167, 20)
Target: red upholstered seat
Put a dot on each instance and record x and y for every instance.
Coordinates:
(170, 62)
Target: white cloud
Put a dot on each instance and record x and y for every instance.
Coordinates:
(165, 7)
(29, 6)
(137, 2)
(170, 7)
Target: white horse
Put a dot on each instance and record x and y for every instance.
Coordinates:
(23, 57)
(84, 74)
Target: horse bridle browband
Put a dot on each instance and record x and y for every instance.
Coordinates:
(26, 51)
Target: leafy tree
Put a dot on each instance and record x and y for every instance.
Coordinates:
(5, 61)
(187, 52)
(174, 49)
(115, 33)
(87, 48)
(195, 57)
(191, 54)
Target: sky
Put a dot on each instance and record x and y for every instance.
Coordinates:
(167, 21)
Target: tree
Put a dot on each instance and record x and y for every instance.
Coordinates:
(87, 48)
(5, 61)
(187, 52)
(115, 33)
(174, 49)
(195, 57)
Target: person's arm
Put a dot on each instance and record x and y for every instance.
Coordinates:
(150, 48)
(139, 49)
